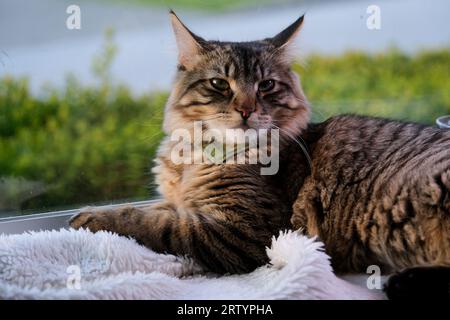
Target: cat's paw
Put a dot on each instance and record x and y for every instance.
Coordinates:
(91, 219)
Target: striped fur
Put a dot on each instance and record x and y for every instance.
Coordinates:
(379, 193)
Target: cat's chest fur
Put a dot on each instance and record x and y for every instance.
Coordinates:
(188, 186)
(176, 181)
(192, 186)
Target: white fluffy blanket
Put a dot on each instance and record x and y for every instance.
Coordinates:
(69, 264)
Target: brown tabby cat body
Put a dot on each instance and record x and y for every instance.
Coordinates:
(379, 193)
(375, 192)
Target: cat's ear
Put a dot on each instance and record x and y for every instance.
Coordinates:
(287, 36)
(189, 45)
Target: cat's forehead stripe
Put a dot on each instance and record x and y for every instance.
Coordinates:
(245, 62)
(248, 61)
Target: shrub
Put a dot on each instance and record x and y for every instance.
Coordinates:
(85, 144)
(391, 84)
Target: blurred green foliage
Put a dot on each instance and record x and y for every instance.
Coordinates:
(76, 146)
(91, 144)
(86, 144)
(390, 84)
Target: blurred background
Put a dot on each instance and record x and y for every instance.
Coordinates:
(81, 109)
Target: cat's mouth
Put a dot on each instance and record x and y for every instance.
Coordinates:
(247, 124)
(243, 125)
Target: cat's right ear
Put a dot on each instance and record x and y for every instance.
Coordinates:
(189, 45)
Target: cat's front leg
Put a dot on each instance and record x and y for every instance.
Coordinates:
(216, 242)
(139, 223)
(95, 219)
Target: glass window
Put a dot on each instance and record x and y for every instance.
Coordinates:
(83, 83)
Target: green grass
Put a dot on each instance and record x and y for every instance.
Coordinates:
(204, 5)
(93, 144)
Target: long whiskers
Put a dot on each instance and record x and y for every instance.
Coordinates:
(301, 144)
(223, 116)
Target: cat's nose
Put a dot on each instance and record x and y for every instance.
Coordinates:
(245, 112)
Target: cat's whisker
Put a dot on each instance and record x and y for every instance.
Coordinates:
(302, 143)
(148, 138)
(217, 116)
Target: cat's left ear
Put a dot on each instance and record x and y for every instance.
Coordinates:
(287, 36)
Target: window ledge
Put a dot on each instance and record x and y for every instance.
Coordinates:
(51, 220)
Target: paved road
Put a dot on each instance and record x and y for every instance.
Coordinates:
(35, 42)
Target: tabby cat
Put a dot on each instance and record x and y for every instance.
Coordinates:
(374, 191)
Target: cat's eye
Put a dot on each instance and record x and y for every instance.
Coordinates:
(266, 85)
(220, 84)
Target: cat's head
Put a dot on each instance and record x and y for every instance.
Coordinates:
(230, 85)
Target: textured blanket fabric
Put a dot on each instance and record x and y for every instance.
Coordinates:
(69, 264)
